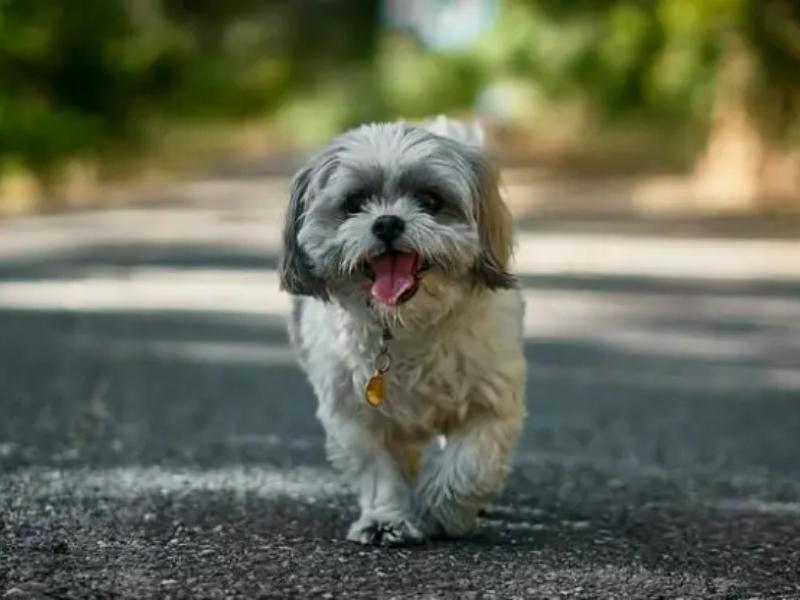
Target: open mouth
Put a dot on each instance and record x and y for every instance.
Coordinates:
(395, 277)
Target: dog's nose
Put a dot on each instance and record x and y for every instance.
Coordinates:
(388, 228)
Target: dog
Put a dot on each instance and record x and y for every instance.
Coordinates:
(408, 323)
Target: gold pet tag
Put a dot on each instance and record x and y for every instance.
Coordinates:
(375, 390)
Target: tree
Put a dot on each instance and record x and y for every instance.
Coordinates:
(752, 151)
(728, 68)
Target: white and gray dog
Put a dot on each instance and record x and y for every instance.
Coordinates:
(408, 323)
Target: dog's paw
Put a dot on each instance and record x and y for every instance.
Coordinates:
(378, 530)
(445, 519)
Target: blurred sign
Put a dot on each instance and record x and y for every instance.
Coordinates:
(441, 24)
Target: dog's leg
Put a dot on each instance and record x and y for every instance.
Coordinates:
(467, 473)
(384, 493)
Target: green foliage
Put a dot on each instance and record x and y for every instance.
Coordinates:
(662, 59)
(86, 77)
(417, 83)
(622, 57)
(72, 77)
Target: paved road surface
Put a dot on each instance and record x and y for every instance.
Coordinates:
(156, 439)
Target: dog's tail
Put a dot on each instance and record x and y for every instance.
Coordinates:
(466, 132)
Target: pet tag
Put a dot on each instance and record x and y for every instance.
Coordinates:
(375, 391)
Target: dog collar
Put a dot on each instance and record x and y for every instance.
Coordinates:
(375, 390)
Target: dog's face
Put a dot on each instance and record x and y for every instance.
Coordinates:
(396, 219)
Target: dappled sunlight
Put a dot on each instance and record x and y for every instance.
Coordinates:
(196, 351)
(153, 289)
(735, 340)
(300, 482)
(172, 315)
(629, 373)
(713, 303)
(668, 323)
(247, 220)
(651, 256)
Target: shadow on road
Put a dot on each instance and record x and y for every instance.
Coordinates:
(660, 455)
(97, 258)
(191, 386)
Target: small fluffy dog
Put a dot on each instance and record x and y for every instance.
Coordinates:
(407, 322)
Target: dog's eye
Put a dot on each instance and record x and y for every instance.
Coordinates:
(431, 202)
(353, 203)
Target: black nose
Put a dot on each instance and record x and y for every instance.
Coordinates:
(388, 228)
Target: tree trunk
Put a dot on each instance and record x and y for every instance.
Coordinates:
(740, 168)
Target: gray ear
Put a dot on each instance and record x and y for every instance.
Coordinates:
(294, 269)
(494, 227)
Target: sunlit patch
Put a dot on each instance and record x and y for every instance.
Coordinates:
(191, 351)
(126, 482)
(153, 289)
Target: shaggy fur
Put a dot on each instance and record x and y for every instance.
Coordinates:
(457, 370)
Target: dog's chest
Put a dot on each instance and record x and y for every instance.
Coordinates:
(432, 386)
(437, 375)
(435, 378)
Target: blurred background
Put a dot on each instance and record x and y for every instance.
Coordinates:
(157, 438)
(699, 95)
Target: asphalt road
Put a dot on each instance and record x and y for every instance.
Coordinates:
(157, 440)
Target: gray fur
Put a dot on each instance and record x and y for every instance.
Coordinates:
(390, 166)
(296, 273)
(458, 368)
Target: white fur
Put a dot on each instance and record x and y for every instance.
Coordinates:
(457, 370)
(468, 372)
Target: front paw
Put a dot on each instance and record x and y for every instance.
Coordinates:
(384, 530)
(440, 514)
(440, 522)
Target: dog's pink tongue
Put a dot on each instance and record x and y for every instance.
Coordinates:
(394, 275)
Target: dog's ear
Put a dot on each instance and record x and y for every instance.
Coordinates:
(494, 226)
(295, 271)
